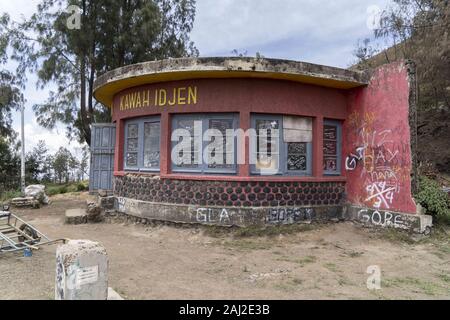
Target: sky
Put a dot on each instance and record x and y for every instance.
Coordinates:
(322, 32)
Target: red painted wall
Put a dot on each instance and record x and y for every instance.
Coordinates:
(252, 95)
(377, 142)
(243, 96)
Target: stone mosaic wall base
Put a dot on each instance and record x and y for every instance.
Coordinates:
(229, 193)
(227, 203)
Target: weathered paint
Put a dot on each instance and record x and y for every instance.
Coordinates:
(235, 95)
(239, 96)
(377, 152)
(111, 83)
(227, 216)
(377, 113)
(389, 219)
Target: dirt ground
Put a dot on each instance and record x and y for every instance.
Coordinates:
(165, 262)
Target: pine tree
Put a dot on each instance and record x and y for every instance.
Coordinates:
(111, 34)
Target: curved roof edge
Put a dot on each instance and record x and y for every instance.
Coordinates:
(112, 82)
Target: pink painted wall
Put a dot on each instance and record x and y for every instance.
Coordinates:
(377, 142)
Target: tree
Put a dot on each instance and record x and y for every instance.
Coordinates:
(49, 175)
(63, 162)
(364, 53)
(112, 34)
(36, 163)
(9, 165)
(84, 163)
(11, 97)
(419, 30)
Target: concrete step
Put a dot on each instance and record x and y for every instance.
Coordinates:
(76, 216)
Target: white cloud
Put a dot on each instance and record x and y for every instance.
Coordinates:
(302, 28)
(54, 139)
(323, 32)
(19, 8)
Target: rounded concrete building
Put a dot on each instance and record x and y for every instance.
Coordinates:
(239, 141)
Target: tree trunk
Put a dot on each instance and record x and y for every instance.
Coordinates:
(91, 91)
(85, 120)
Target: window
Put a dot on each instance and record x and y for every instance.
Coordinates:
(210, 144)
(282, 145)
(220, 158)
(132, 148)
(142, 144)
(151, 144)
(297, 156)
(332, 133)
(267, 144)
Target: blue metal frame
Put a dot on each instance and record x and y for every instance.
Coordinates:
(283, 149)
(204, 118)
(140, 163)
(338, 125)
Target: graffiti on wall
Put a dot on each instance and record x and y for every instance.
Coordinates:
(290, 215)
(274, 215)
(352, 160)
(213, 215)
(378, 158)
(125, 206)
(383, 219)
(121, 202)
(60, 278)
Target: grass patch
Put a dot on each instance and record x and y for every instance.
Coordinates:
(440, 234)
(52, 189)
(297, 281)
(216, 231)
(8, 195)
(308, 259)
(290, 285)
(284, 287)
(279, 253)
(438, 254)
(343, 281)
(355, 254)
(395, 235)
(246, 245)
(271, 230)
(253, 231)
(399, 236)
(82, 186)
(302, 261)
(425, 287)
(444, 277)
(331, 266)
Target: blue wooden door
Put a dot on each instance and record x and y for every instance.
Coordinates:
(103, 140)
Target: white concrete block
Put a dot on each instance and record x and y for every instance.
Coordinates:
(113, 295)
(81, 271)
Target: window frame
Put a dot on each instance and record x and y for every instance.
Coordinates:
(202, 168)
(283, 148)
(140, 160)
(338, 125)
